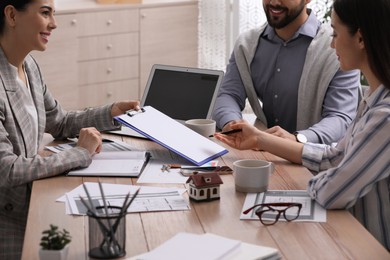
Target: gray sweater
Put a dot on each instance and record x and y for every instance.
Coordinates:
(318, 71)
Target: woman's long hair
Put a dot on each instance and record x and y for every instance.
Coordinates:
(372, 18)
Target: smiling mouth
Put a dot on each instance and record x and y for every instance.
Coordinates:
(276, 11)
(45, 36)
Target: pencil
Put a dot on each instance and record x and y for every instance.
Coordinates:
(229, 132)
(111, 234)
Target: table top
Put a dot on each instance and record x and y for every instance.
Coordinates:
(341, 237)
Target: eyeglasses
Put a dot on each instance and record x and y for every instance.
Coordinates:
(269, 213)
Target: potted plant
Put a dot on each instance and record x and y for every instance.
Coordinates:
(54, 244)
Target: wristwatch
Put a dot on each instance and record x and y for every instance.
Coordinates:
(301, 138)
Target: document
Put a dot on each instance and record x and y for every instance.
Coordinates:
(107, 146)
(149, 199)
(207, 247)
(311, 210)
(173, 135)
(122, 164)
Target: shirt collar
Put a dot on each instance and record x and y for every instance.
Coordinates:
(309, 28)
(375, 97)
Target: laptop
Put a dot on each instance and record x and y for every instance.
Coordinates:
(182, 93)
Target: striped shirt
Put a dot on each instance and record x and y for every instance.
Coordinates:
(355, 174)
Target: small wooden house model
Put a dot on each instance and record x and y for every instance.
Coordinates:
(204, 186)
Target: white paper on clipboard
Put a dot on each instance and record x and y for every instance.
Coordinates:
(173, 135)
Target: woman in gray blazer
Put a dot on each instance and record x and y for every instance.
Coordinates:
(28, 110)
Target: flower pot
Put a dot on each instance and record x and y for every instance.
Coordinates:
(54, 254)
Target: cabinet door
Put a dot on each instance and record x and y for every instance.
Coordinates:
(105, 93)
(59, 62)
(108, 22)
(168, 35)
(108, 46)
(108, 70)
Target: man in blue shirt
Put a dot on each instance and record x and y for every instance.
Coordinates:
(289, 66)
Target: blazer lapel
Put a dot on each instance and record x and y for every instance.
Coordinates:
(16, 103)
(36, 83)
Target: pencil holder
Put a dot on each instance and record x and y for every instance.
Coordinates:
(107, 232)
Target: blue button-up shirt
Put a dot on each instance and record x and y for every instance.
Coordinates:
(276, 72)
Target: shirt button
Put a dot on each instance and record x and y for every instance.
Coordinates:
(276, 120)
(278, 69)
(276, 96)
(8, 207)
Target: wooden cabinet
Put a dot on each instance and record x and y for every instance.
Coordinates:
(103, 53)
(108, 56)
(168, 35)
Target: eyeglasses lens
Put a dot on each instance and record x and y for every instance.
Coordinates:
(267, 215)
(291, 213)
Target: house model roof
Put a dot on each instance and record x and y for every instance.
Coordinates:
(205, 179)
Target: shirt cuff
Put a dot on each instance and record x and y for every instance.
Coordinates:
(226, 119)
(312, 156)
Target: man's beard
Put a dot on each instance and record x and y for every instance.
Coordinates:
(289, 15)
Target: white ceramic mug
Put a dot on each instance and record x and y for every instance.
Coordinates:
(205, 127)
(252, 175)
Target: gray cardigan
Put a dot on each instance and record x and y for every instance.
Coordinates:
(318, 71)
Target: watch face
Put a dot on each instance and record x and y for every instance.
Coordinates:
(301, 138)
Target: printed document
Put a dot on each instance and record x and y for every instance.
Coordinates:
(311, 210)
(148, 199)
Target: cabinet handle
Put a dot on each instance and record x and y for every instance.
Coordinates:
(109, 22)
(109, 94)
(109, 70)
(143, 16)
(109, 46)
(73, 22)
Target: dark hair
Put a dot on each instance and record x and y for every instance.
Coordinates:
(372, 18)
(19, 5)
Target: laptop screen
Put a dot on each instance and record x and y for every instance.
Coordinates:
(182, 93)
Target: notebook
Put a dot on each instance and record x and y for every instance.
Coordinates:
(115, 163)
(182, 93)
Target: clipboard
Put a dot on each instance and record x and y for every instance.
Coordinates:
(173, 135)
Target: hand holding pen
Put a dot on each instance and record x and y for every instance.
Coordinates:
(243, 136)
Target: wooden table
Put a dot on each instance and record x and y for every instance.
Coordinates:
(341, 237)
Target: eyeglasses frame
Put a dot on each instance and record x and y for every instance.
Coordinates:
(270, 206)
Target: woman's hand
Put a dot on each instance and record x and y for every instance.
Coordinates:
(227, 126)
(90, 139)
(119, 108)
(244, 140)
(278, 131)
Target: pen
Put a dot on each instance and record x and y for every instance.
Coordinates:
(229, 132)
(104, 140)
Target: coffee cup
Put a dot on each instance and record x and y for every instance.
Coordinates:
(205, 127)
(252, 175)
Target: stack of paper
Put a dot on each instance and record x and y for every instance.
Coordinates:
(207, 247)
(149, 199)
